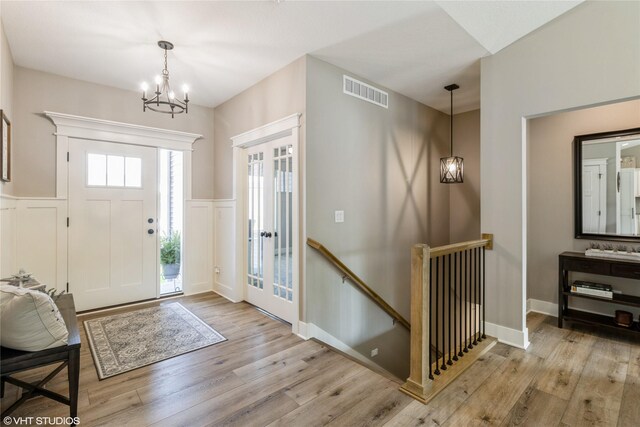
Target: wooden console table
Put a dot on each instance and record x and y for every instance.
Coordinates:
(13, 361)
(579, 262)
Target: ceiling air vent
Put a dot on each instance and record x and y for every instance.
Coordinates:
(365, 92)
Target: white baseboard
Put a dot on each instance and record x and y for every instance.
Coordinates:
(225, 295)
(543, 307)
(226, 292)
(196, 288)
(512, 337)
(303, 330)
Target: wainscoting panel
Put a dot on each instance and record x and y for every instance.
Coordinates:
(224, 278)
(33, 236)
(7, 236)
(198, 242)
(41, 243)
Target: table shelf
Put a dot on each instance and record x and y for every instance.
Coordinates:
(577, 262)
(599, 320)
(621, 299)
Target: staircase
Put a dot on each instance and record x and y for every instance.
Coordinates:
(447, 326)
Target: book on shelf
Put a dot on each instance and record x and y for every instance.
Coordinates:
(592, 289)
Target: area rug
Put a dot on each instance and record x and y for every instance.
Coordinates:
(127, 341)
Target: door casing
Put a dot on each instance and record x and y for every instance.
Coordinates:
(72, 126)
(284, 127)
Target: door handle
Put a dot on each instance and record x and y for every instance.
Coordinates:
(150, 220)
(618, 182)
(150, 231)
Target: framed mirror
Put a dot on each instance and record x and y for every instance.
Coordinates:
(607, 185)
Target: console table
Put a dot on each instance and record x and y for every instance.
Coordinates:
(579, 262)
(13, 361)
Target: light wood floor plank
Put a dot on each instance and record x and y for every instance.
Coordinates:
(598, 395)
(437, 411)
(562, 369)
(536, 408)
(328, 406)
(492, 401)
(630, 405)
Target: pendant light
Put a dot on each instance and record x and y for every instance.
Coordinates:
(164, 99)
(451, 168)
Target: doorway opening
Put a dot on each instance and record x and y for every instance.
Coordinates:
(170, 220)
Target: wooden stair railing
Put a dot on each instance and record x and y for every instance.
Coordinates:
(447, 313)
(359, 283)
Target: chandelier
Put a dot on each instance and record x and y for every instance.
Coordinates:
(164, 99)
(452, 167)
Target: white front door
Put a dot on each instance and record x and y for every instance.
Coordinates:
(112, 223)
(272, 227)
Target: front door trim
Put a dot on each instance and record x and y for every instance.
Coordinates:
(70, 126)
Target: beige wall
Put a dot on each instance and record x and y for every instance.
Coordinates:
(588, 56)
(550, 188)
(6, 90)
(277, 96)
(464, 203)
(34, 142)
(381, 167)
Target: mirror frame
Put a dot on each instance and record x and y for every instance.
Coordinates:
(577, 166)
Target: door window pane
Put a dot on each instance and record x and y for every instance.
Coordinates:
(115, 171)
(96, 169)
(132, 172)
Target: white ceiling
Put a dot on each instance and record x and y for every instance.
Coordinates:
(222, 48)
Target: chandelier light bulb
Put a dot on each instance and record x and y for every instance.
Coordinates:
(185, 89)
(144, 86)
(172, 95)
(158, 80)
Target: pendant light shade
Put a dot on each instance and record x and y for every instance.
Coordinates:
(452, 167)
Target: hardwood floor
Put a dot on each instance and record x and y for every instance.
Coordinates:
(264, 375)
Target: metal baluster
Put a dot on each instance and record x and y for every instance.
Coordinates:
(430, 306)
(444, 351)
(484, 290)
(437, 371)
(449, 362)
(472, 313)
(476, 251)
(455, 291)
(479, 296)
(460, 311)
(467, 301)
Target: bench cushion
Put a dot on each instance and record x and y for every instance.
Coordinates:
(30, 320)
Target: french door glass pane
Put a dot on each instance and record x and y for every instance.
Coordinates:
(255, 254)
(282, 215)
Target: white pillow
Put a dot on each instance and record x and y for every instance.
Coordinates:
(30, 320)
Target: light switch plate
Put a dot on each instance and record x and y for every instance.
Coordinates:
(339, 216)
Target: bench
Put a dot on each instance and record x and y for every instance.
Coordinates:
(13, 361)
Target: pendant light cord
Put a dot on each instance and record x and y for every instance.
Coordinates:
(451, 124)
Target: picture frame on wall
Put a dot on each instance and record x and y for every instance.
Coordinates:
(5, 152)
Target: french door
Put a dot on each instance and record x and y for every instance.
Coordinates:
(112, 223)
(272, 224)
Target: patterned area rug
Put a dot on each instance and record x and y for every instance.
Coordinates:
(127, 341)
